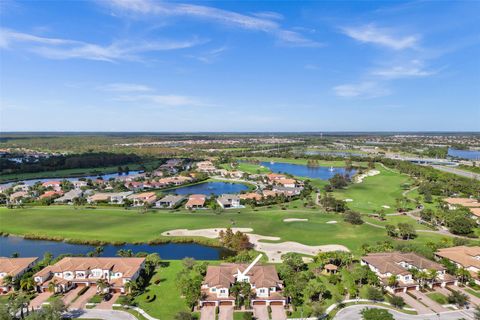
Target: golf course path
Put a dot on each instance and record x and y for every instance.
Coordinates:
(273, 250)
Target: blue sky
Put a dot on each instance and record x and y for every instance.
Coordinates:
(140, 65)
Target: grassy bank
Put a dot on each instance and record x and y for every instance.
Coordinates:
(119, 225)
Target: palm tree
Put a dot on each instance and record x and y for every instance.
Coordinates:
(102, 284)
(392, 281)
(52, 286)
(27, 284)
(463, 275)
(8, 281)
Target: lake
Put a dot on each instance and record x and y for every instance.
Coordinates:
(464, 154)
(167, 251)
(300, 170)
(207, 188)
(106, 177)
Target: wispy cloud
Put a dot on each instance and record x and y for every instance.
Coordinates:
(381, 36)
(209, 56)
(412, 70)
(125, 87)
(56, 48)
(365, 89)
(168, 100)
(264, 23)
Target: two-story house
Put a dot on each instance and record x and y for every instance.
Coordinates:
(401, 266)
(263, 280)
(464, 257)
(71, 272)
(14, 268)
(229, 201)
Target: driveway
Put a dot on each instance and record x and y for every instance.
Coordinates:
(101, 314)
(428, 302)
(40, 299)
(207, 313)
(226, 313)
(473, 299)
(415, 304)
(353, 312)
(260, 312)
(71, 295)
(278, 313)
(108, 305)
(83, 299)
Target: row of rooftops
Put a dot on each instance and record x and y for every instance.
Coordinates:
(395, 262)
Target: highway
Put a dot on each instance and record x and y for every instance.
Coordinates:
(459, 172)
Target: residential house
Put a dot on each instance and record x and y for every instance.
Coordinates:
(141, 199)
(464, 257)
(69, 196)
(71, 272)
(287, 183)
(80, 184)
(206, 166)
(472, 204)
(196, 201)
(287, 191)
(229, 201)
(110, 197)
(169, 201)
(269, 194)
(52, 184)
(263, 279)
(51, 193)
(251, 196)
(17, 197)
(388, 264)
(15, 268)
(21, 187)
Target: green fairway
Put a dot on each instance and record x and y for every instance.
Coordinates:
(396, 220)
(375, 192)
(112, 224)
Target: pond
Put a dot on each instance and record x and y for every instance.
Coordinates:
(464, 154)
(106, 177)
(300, 170)
(167, 251)
(207, 188)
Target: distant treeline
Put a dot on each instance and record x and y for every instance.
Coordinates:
(74, 161)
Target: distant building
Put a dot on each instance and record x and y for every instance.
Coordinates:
(195, 201)
(464, 257)
(169, 201)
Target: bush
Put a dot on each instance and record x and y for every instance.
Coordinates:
(376, 314)
(396, 301)
(353, 217)
(374, 294)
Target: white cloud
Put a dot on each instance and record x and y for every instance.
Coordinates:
(55, 48)
(209, 56)
(230, 18)
(125, 87)
(169, 100)
(365, 89)
(413, 70)
(383, 37)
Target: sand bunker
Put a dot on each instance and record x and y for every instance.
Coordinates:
(294, 219)
(369, 173)
(332, 222)
(274, 251)
(386, 207)
(348, 200)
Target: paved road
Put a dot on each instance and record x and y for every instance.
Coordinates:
(107, 305)
(458, 172)
(83, 299)
(101, 314)
(353, 312)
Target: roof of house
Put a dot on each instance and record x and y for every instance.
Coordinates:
(70, 195)
(196, 200)
(466, 256)
(143, 195)
(228, 198)
(14, 266)
(172, 198)
(389, 262)
(224, 275)
(466, 202)
(286, 181)
(49, 183)
(251, 195)
(49, 194)
(127, 266)
(330, 266)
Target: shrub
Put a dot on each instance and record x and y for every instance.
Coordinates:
(247, 316)
(396, 301)
(376, 314)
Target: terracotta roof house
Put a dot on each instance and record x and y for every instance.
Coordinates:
(17, 197)
(288, 183)
(251, 196)
(49, 194)
(465, 202)
(464, 257)
(169, 201)
(14, 267)
(71, 272)
(269, 193)
(111, 197)
(287, 191)
(275, 176)
(54, 184)
(263, 280)
(195, 201)
(140, 199)
(229, 201)
(386, 264)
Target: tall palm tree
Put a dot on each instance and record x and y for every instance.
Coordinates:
(102, 284)
(52, 286)
(27, 284)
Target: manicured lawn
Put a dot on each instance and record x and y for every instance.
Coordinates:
(474, 292)
(168, 301)
(115, 224)
(437, 297)
(397, 219)
(375, 192)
